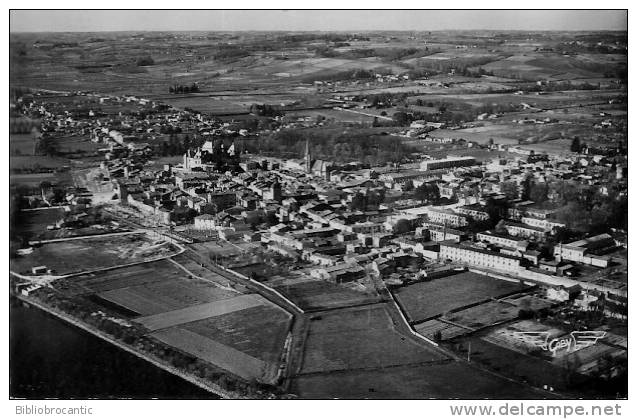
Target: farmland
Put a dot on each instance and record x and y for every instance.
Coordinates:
(243, 330)
(197, 312)
(424, 300)
(315, 295)
(241, 333)
(161, 296)
(360, 338)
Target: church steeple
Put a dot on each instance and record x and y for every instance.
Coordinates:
(308, 157)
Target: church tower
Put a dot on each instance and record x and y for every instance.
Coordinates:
(308, 157)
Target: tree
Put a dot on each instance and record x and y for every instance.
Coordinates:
(538, 192)
(576, 146)
(510, 189)
(401, 118)
(408, 186)
(359, 202)
(402, 226)
(427, 192)
(526, 187)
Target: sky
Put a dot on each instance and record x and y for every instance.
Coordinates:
(312, 20)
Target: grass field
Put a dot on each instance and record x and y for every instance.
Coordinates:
(257, 331)
(130, 276)
(223, 356)
(166, 319)
(176, 292)
(360, 338)
(424, 300)
(319, 295)
(73, 256)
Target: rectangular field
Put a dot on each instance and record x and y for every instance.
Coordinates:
(173, 294)
(137, 275)
(239, 363)
(257, 331)
(320, 295)
(425, 300)
(361, 338)
(199, 312)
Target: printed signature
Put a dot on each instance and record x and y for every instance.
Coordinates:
(568, 343)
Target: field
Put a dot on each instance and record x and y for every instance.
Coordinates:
(169, 294)
(529, 302)
(193, 313)
(425, 300)
(241, 333)
(433, 381)
(33, 225)
(360, 338)
(223, 356)
(244, 330)
(312, 294)
(74, 256)
(34, 222)
(483, 315)
(553, 66)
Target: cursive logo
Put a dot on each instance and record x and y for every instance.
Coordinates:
(568, 343)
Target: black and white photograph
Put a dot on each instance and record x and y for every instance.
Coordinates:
(319, 204)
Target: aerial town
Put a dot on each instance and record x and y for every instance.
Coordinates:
(381, 215)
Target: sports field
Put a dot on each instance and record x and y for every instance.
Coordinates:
(425, 300)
